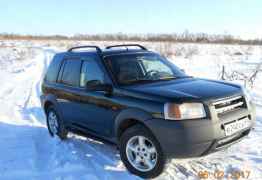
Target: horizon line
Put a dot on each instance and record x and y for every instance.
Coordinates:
(140, 35)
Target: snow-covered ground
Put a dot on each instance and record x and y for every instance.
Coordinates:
(28, 152)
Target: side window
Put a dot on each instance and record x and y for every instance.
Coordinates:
(71, 72)
(90, 71)
(51, 74)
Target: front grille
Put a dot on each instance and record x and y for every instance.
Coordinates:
(229, 104)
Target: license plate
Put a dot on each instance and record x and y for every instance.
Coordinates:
(236, 126)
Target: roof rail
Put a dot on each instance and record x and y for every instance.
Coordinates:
(81, 47)
(127, 45)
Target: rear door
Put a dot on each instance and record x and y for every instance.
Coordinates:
(68, 85)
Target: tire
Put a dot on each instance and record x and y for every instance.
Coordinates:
(127, 155)
(60, 131)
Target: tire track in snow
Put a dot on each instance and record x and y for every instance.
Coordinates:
(33, 99)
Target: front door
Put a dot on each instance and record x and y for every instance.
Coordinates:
(84, 109)
(97, 112)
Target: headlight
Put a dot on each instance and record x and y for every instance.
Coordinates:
(184, 111)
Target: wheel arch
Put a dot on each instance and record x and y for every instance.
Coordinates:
(129, 118)
(47, 105)
(50, 100)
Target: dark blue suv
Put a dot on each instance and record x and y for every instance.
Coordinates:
(146, 105)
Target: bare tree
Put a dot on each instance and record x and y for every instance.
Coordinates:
(248, 80)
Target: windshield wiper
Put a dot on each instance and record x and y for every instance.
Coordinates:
(172, 78)
(181, 77)
(139, 81)
(166, 78)
(135, 81)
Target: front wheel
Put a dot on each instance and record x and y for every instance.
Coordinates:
(141, 152)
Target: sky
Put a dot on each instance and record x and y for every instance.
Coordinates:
(236, 17)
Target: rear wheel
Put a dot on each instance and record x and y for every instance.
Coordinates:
(54, 124)
(141, 152)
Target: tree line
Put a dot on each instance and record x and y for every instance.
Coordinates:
(184, 37)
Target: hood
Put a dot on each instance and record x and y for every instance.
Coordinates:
(189, 89)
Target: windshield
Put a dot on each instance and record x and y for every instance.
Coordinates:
(139, 68)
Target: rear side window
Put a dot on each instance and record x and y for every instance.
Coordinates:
(90, 71)
(71, 72)
(53, 69)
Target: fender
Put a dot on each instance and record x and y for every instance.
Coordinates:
(51, 98)
(131, 113)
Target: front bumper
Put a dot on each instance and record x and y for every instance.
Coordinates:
(195, 138)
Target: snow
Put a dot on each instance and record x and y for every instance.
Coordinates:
(28, 152)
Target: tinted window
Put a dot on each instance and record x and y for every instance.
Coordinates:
(53, 69)
(90, 71)
(71, 72)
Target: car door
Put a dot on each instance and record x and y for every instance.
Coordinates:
(97, 112)
(67, 89)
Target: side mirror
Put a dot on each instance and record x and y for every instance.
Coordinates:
(96, 85)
